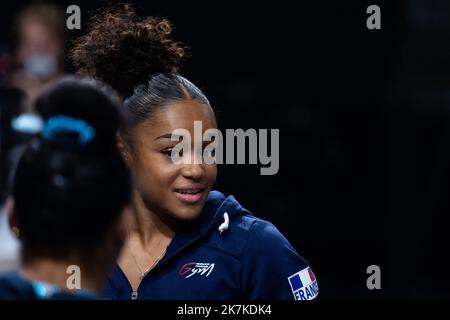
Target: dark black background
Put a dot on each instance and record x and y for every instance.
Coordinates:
(364, 127)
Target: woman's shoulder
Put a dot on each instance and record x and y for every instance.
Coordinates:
(272, 268)
(235, 222)
(14, 287)
(263, 233)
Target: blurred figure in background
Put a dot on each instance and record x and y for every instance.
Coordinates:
(37, 61)
(39, 49)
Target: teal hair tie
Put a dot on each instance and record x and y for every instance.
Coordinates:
(63, 124)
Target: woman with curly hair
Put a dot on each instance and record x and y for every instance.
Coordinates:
(184, 240)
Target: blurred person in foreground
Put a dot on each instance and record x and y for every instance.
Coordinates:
(69, 196)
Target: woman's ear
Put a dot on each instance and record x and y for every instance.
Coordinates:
(12, 221)
(124, 151)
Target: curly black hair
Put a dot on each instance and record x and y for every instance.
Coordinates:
(137, 58)
(123, 49)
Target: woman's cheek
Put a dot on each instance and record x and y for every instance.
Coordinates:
(212, 173)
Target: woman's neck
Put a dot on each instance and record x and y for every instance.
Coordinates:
(148, 227)
(58, 273)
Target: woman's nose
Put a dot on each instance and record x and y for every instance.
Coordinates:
(193, 171)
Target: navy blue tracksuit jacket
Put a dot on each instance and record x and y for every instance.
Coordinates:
(248, 259)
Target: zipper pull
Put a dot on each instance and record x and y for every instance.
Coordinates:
(134, 295)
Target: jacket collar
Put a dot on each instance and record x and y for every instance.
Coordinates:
(209, 220)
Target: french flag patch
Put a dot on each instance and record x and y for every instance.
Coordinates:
(304, 284)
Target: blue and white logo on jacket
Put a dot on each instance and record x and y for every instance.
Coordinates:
(304, 285)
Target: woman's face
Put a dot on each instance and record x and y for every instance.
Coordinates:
(176, 191)
(38, 39)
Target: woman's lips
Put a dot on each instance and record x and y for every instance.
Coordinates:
(189, 195)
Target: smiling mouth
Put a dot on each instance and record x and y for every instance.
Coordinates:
(189, 195)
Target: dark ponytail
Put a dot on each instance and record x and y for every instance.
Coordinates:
(71, 184)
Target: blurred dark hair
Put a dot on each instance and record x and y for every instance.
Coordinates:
(68, 195)
(138, 58)
(10, 140)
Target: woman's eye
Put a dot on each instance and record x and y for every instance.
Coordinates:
(168, 152)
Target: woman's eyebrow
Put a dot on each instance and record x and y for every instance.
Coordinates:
(170, 136)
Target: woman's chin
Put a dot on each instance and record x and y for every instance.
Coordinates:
(188, 214)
